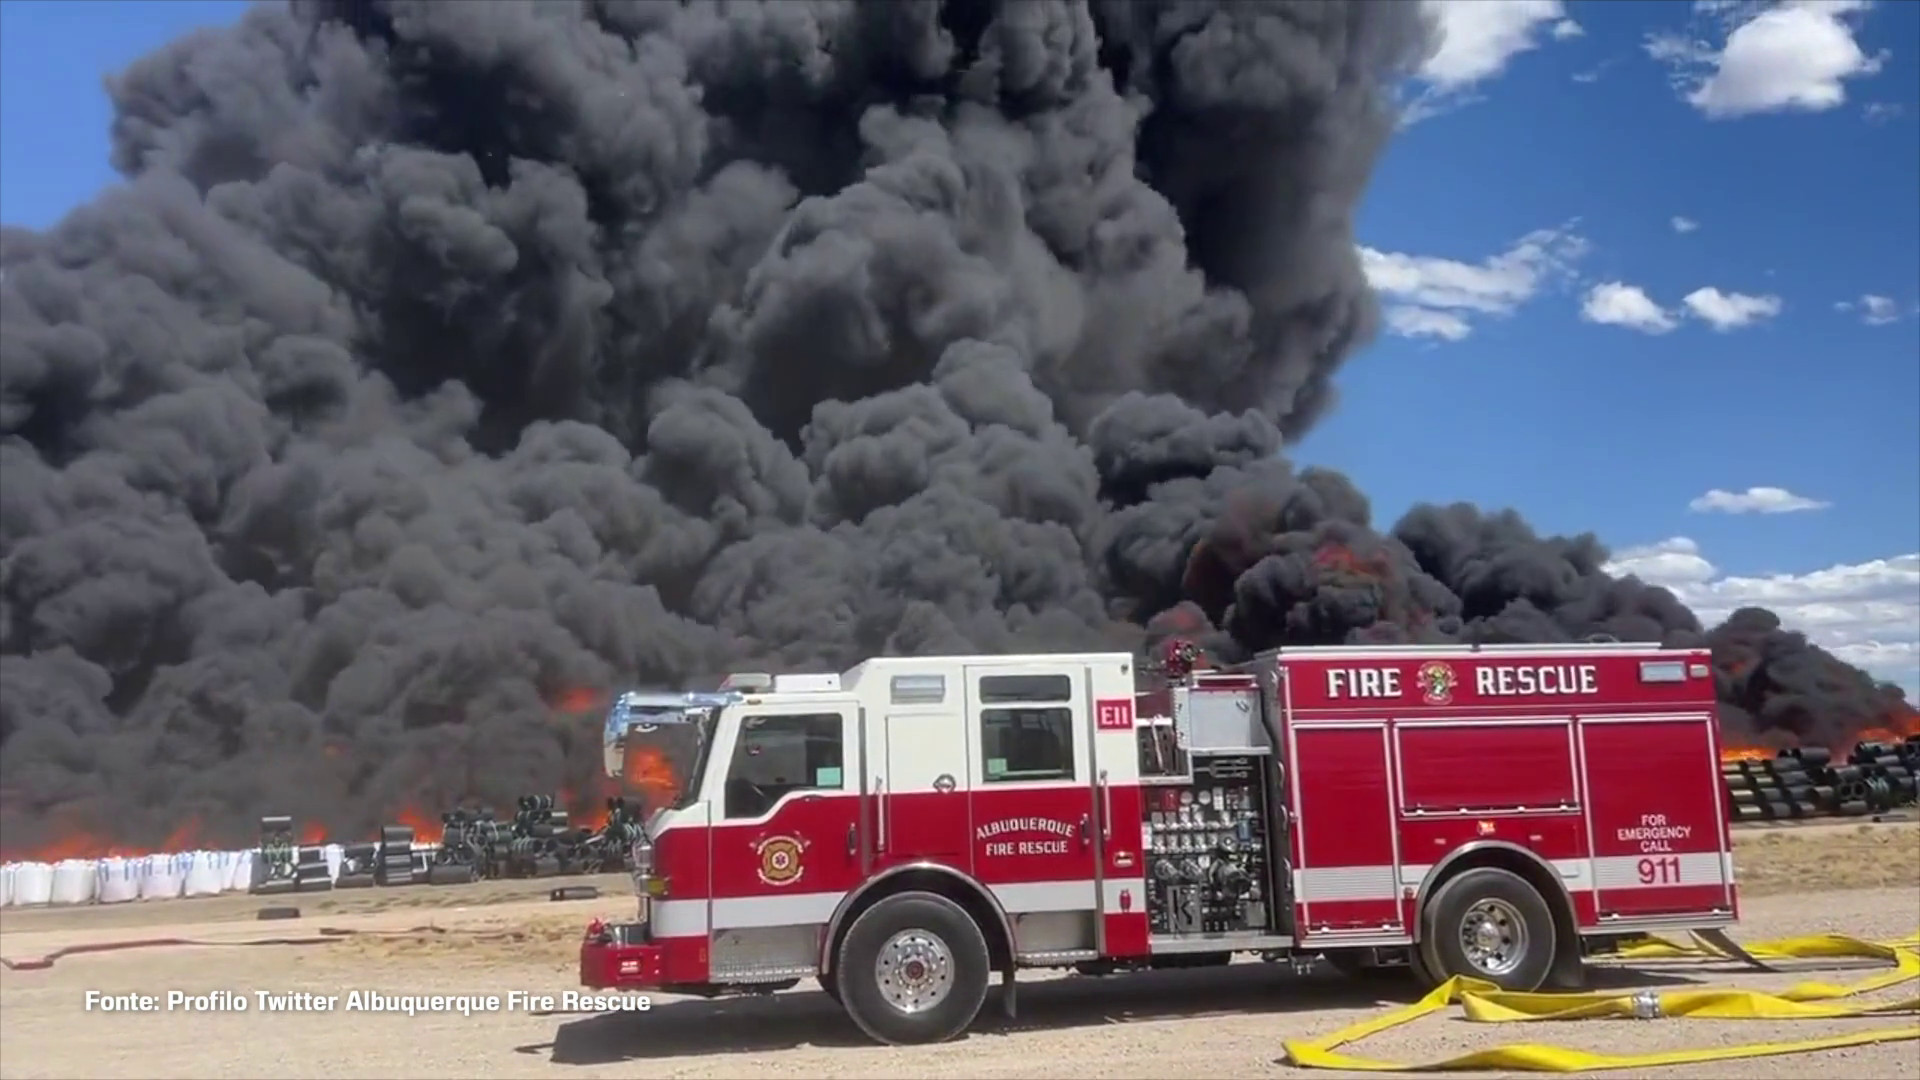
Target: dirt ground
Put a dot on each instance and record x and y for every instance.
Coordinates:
(499, 937)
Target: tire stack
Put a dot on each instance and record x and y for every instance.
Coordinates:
(395, 866)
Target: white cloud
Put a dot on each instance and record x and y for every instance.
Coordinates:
(1417, 322)
(1867, 614)
(1615, 303)
(1794, 55)
(1730, 311)
(1675, 563)
(1684, 224)
(1754, 500)
(1879, 112)
(1477, 40)
(1874, 310)
(1592, 74)
(1430, 296)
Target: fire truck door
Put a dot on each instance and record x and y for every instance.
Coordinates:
(916, 789)
(1036, 839)
(784, 840)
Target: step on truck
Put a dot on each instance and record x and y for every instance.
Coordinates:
(905, 831)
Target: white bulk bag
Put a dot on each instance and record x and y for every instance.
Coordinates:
(207, 873)
(241, 871)
(116, 880)
(72, 881)
(6, 884)
(336, 854)
(161, 877)
(32, 884)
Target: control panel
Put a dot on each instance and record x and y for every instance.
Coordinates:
(1208, 849)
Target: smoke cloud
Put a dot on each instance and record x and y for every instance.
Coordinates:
(435, 360)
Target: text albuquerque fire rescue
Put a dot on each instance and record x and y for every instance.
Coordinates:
(997, 848)
(1509, 680)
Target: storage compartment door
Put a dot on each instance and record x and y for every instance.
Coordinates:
(1656, 799)
(1347, 876)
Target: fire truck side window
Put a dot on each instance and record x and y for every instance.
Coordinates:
(778, 754)
(1030, 743)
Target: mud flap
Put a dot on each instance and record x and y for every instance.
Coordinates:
(1717, 940)
(1569, 971)
(1008, 1004)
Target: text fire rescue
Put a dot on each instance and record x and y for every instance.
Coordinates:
(1508, 680)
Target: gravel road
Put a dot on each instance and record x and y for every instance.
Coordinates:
(1225, 1022)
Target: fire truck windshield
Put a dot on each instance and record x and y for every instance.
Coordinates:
(656, 745)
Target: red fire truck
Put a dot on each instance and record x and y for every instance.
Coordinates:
(904, 830)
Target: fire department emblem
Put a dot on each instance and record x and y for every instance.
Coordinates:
(1436, 682)
(780, 859)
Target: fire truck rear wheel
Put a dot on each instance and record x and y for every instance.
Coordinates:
(913, 969)
(1490, 924)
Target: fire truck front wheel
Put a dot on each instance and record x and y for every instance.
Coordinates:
(913, 968)
(1490, 924)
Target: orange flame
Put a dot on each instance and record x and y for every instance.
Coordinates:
(1745, 753)
(1898, 727)
(582, 812)
(647, 773)
(79, 843)
(1341, 559)
(579, 699)
(426, 828)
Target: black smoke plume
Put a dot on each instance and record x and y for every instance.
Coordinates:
(436, 360)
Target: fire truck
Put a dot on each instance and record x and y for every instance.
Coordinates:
(906, 830)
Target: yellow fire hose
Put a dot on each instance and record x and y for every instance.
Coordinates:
(1486, 1003)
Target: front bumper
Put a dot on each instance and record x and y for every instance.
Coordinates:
(618, 956)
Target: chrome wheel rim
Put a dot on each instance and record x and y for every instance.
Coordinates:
(914, 971)
(1494, 937)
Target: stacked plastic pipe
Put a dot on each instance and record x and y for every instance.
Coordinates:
(1875, 778)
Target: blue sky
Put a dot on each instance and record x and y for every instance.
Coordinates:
(1632, 254)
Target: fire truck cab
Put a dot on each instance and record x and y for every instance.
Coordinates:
(905, 830)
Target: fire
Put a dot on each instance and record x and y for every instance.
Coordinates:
(1898, 727)
(426, 828)
(579, 700)
(583, 813)
(1341, 559)
(646, 772)
(78, 843)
